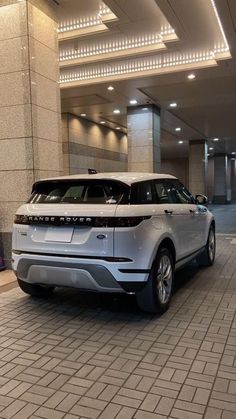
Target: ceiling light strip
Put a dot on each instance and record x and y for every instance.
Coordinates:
(132, 66)
(111, 46)
(104, 9)
(221, 28)
(167, 30)
(86, 21)
(74, 24)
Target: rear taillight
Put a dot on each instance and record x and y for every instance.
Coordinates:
(130, 221)
(103, 222)
(21, 219)
(119, 221)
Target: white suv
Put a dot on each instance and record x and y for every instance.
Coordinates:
(110, 232)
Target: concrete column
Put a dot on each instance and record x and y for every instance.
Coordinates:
(210, 191)
(222, 179)
(198, 166)
(65, 143)
(30, 114)
(228, 180)
(233, 178)
(144, 154)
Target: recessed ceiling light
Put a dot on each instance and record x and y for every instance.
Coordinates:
(133, 102)
(215, 139)
(191, 76)
(102, 122)
(211, 148)
(117, 127)
(233, 152)
(177, 129)
(110, 88)
(180, 142)
(83, 114)
(116, 111)
(173, 105)
(144, 109)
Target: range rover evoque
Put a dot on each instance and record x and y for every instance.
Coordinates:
(111, 232)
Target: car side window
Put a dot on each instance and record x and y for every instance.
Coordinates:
(163, 192)
(180, 193)
(142, 193)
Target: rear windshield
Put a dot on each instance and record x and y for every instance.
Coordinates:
(79, 192)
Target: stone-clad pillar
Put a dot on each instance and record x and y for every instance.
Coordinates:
(144, 139)
(198, 167)
(222, 179)
(233, 178)
(30, 143)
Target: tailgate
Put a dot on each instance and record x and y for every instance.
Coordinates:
(65, 230)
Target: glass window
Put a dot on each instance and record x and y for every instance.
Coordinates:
(163, 192)
(79, 192)
(180, 193)
(142, 193)
(74, 192)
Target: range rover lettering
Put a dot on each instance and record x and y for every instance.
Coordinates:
(111, 232)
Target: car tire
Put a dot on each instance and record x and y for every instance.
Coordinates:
(155, 297)
(35, 290)
(207, 257)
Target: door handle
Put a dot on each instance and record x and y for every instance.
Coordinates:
(169, 212)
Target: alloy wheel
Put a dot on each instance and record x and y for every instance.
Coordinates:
(211, 244)
(164, 279)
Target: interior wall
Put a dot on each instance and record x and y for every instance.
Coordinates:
(176, 167)
(90, 145)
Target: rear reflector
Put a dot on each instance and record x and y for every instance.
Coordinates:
(63, 255)
(80, 221)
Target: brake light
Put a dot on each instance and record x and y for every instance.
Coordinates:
(103, 222)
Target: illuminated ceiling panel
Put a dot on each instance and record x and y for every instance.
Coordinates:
(125, 54)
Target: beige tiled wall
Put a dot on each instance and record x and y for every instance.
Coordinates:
(89, 145)
(176, 167)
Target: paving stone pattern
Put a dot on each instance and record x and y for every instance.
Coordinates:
(76, 356)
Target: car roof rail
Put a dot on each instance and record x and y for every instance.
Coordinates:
(92, 171)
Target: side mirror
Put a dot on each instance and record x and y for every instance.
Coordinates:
(201, 199)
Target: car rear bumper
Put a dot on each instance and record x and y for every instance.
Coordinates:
(93, 275)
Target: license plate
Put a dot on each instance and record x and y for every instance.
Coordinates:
(59, 234)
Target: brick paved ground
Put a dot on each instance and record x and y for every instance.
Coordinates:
(80, 357)
(7, 280)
